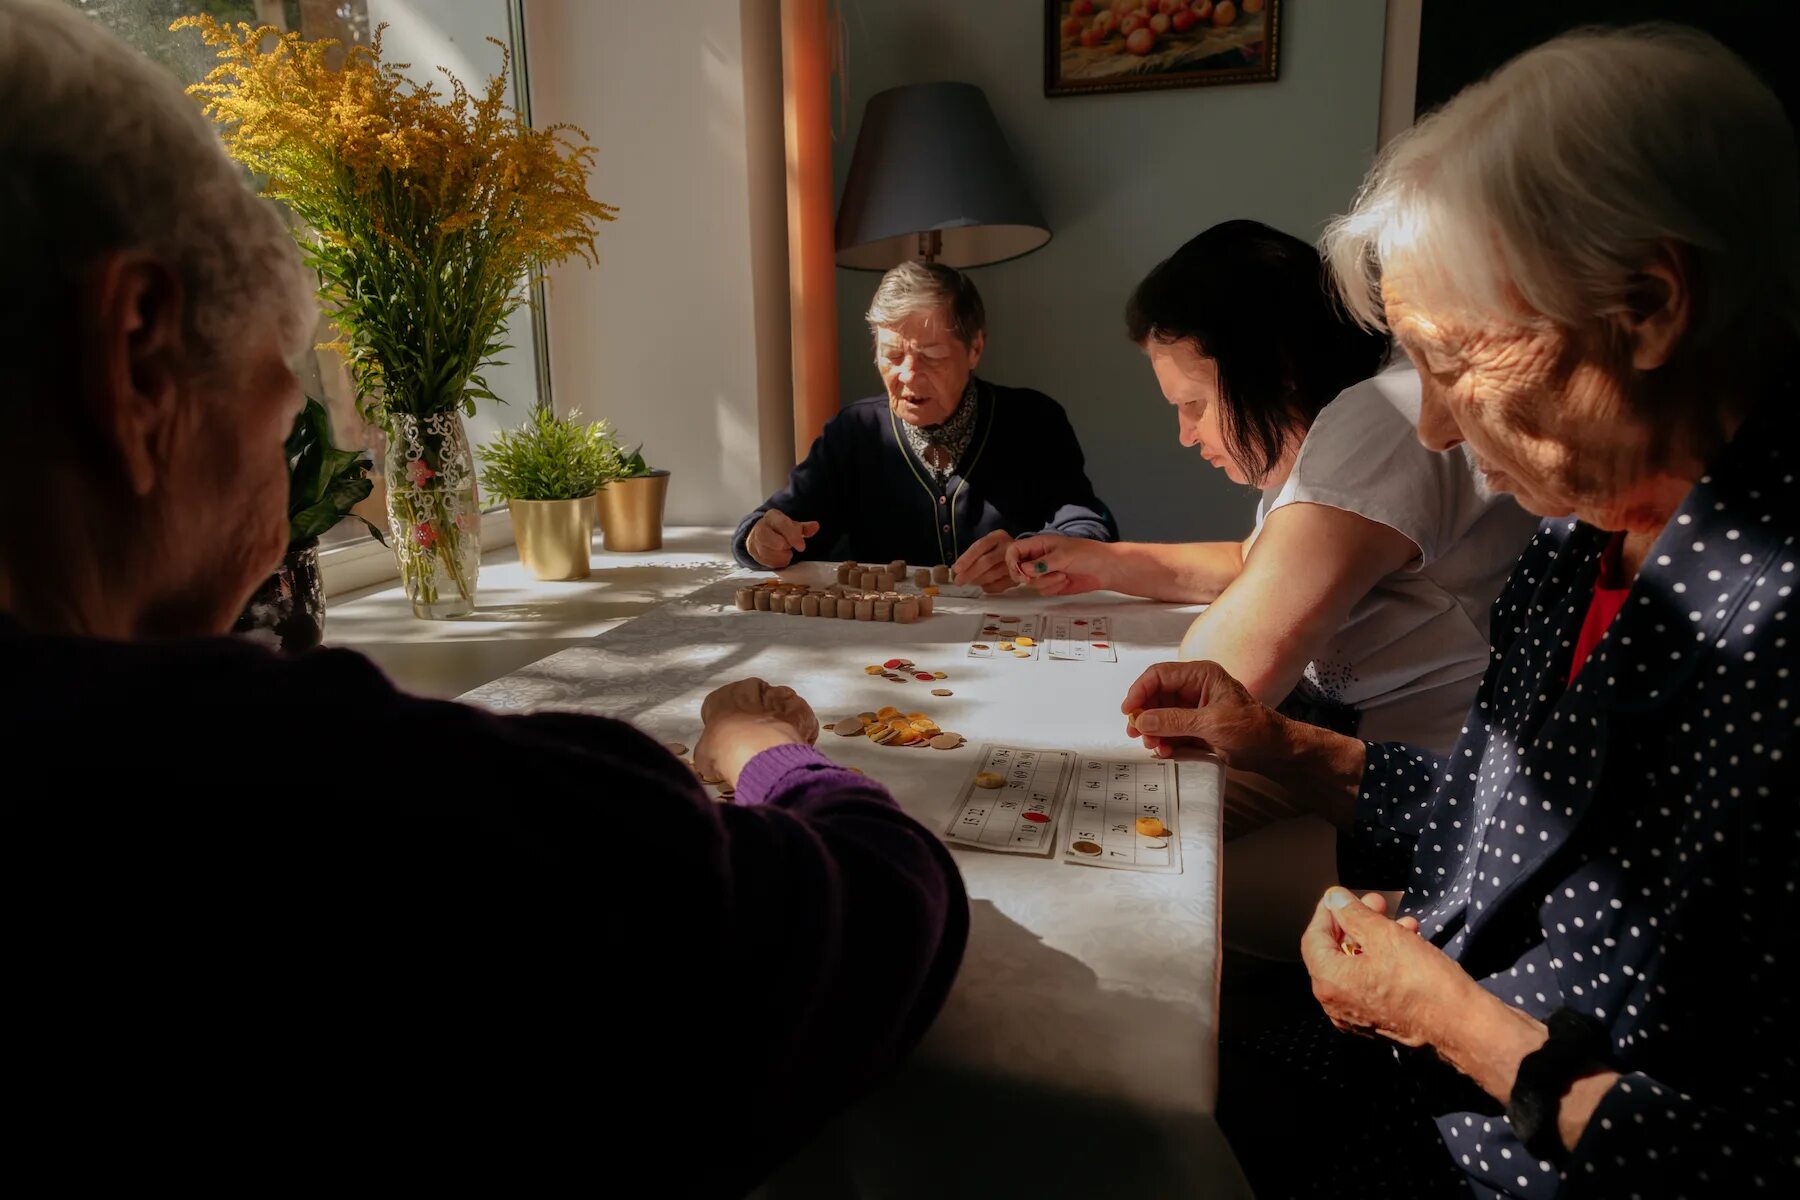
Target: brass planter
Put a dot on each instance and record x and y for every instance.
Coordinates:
(555, 537)
(631, 512)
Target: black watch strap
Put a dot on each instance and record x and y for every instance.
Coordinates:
(1577, 1042)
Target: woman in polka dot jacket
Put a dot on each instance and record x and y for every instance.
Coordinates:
(1614, 844)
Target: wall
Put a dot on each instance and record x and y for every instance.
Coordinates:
(1123, 180)
(679, 337)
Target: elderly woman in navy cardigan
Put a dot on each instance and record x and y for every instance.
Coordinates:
(1598, 927)
(945, 468)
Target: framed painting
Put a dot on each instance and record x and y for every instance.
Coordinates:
(1134, 45)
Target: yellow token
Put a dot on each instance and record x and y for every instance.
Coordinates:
(898, 724)
(886, 711)
(907, 737)
(871, 670)
(930, 591)
(881, 735)
(989, 779)
(1021, 654)
(917, 717)
(1151, 827)
(866, 716)
(940, 674)
(1025, 641)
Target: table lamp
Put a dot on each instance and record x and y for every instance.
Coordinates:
(932, 178)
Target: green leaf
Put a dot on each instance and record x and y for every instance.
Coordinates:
(323, 481)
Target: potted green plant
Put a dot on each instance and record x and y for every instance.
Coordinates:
(548, 470)
(631, 504)
(324, 483)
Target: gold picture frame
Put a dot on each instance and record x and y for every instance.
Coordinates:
(1095, 46)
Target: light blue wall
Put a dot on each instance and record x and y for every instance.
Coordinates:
(1123, 179)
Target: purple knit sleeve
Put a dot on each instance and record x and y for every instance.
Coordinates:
(792, 775)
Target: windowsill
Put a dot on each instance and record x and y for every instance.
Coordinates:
(518, 618)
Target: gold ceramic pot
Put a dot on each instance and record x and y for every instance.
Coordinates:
(631, 511)
(555, 537)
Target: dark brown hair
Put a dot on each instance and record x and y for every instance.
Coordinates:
(1255, 301)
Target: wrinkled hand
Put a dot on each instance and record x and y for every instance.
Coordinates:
(1054, 564)
(745, 718)
(1189, 708)
(983, 565)
(1392, 982)
(777, 537)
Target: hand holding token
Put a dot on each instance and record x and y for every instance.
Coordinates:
(1377, 976)
(777, 537)
(1187, 708)
(745, 718)
(1054, 564)
(983, 565)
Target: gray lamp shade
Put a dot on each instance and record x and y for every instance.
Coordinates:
(930, 156)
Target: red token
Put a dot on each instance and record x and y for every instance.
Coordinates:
(1040, 818)
(925, 675)
(1081, 622)
(1101, 646)
(891, 663)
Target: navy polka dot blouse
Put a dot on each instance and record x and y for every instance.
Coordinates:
(1629, 846)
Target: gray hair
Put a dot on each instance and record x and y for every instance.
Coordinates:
(103, 151)
(920, 287)
(1535, 195)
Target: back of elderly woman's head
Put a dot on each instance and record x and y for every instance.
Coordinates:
(148, 302)
(1538, 194)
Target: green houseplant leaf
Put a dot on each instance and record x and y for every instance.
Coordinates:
(323, 481)
(550, 458)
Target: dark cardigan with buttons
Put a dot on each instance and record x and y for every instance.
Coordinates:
(875, 501)
(1628, 846)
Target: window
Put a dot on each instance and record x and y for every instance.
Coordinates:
(447, 33)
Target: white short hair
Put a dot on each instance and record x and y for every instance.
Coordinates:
(104, 151)
(1534, 196)
(916, 287)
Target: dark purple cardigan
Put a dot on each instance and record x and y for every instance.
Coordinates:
(278, 920)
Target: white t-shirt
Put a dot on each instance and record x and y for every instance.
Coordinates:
(1412, 651)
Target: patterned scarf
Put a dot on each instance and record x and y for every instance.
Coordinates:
(941, 446)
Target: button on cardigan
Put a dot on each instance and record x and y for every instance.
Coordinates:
(1628, 844)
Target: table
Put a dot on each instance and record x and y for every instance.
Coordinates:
(1077, 1054)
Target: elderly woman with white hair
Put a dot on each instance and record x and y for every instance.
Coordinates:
(544, 968)
(946, 467)
(1594, 260)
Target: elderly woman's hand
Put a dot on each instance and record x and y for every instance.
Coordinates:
(1197, 707)
(745, 718)
(1378, 976)
(777, 537)
(983, 564)
(1056, 565)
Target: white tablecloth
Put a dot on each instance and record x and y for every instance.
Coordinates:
(1078, 1049)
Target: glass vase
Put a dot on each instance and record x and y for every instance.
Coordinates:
(288, 610)
(434, 511)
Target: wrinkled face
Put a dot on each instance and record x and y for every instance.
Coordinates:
(225, 497)
(1547, 414)
(1190, 382)
(925, 366)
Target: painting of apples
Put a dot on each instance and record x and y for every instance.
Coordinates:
(1130, 45)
